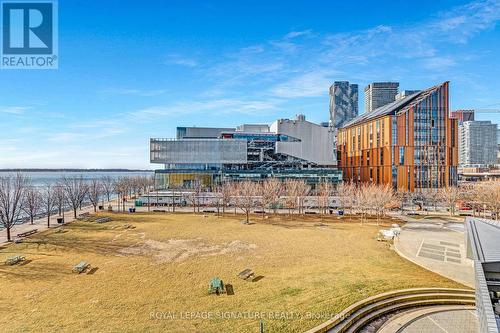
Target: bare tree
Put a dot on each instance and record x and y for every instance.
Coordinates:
(94, 192)
(31, 201)
(107, 183)
(347, 195)
(324, 194)
(59, 198)
(449, 196)
(244, 195)
(295, 191)
(75, 191)
(12, 189)
(49, 200)
(225, 194)
(382, 197)
(271, 191)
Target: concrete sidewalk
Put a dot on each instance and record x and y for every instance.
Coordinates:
(437, 245)
(41, 223)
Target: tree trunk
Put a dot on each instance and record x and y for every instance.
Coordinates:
(8, 234)
(31, 219)
(48, 220)
(248, 211)
(74, 212)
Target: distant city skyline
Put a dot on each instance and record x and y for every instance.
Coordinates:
(130, 71)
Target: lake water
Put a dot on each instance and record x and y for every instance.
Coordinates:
(41, 178)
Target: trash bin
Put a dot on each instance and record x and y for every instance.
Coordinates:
(131, 210)
(341, 212)
(101, 207)
(60, 220)
(110, 208)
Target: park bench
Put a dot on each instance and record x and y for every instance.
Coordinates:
(103, 220)
(14, 260)
(208, 211)
(81, 267)
(246, 274)
(310, 212)
(216, 286)
(27, 233)
(83, 216)
(159, 210)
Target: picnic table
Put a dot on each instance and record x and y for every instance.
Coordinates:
(83, 216)
(81, 267)
(14, 260)
(216, 286)
(247, 275)
(103, 220)
(27, 233)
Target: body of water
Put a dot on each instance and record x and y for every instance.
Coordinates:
(42, 178)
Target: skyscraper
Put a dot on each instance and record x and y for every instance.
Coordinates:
(343, 102)
(378, 94)
(477, 143)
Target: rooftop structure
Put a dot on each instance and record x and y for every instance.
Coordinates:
(462, 115)
(405, 93)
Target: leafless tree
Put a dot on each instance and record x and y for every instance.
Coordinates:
(244, 195)
(31, 201)
(59, 198)
(107, 183)
(75, 191)
(449, 196)
(94, 192)
(295, 191)
(383, 197)
(271, 191)
(324, 192)
(49, 200)
(225, 194)
(12, 189)
(347, 195)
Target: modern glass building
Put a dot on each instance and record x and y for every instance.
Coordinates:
(343, 102)
(289, 148)
(477, 143)
(410, 143)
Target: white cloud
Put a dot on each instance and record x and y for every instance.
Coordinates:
(176, 59)
(14, 109)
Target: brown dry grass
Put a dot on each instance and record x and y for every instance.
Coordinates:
(163, 266)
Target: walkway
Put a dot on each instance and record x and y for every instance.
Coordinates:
(438, 245)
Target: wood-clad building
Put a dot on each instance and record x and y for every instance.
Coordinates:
(410, 143)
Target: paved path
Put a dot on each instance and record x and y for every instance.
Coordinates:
(438, 245)
(41, 224)
(454, 321)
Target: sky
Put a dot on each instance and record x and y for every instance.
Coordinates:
(132, 70)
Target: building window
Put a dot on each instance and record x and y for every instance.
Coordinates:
(401, 155)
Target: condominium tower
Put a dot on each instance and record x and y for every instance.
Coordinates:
(378, 94)
(410, 144)
(477, 143)
(343, 102)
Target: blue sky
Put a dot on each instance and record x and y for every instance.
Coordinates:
(132, 70)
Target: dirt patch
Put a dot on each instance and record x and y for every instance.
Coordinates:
(177, 250)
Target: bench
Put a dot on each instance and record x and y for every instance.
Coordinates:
(208, 211)
(81, 267)
(308, 212)
(103, 220)
(246, 274)
(27, 233)
(216, 286)
(14, 260)
(159, 210)
(83, 216)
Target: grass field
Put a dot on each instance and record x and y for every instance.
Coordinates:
(154, 277)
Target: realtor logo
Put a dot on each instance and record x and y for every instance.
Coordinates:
(29, 34)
